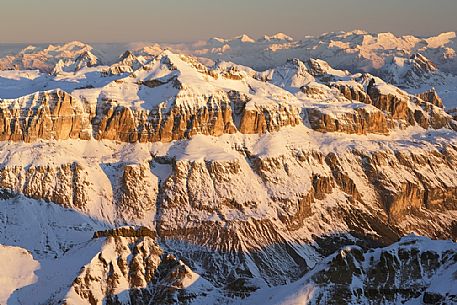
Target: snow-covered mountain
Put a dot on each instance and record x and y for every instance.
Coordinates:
(412, 72)
(413, 63)
(408, 61)
(415, 270)
(356, 50)
(157, 178)
(47, 58)
(83, 60)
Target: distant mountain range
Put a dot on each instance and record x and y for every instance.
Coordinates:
(407, 61)
(230, 171)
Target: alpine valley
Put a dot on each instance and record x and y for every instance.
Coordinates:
(230, 171)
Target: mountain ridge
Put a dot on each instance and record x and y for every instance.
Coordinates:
(160, 178)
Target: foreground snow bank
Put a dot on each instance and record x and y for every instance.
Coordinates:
(17, 270)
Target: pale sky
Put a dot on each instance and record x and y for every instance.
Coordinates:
(188, 20)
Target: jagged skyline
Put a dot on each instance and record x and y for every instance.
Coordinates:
(172, 21)
(256, 169)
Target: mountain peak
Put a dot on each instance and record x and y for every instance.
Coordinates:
(244, 39)
(75, 45)
(291, 76)
(28, 49)
(69, 47)
(280, 37)
(441, 39)
(82, 60)
(424, 62)
(216, 41)
(127, 54)
(358, 32)
(412, 72)
(319, 67)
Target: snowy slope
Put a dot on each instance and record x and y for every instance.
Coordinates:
(46, 58)
(243, 181)
(382, 54)
(18, 268)
(51, 234)
(423, 266)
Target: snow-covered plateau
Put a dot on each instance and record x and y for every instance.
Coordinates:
(230, 171)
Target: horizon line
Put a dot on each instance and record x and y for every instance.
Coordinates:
(254, 37)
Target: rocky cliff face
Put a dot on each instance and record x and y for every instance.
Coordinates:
(242, 181)
(361, 120)
(338, 98)
(403, 272)
(412, 270)
(228, 105)
(431, 96)
(72, 185)
(58, 115)
(215, 118)
(131, 268)
(408, 110)
(353, 91)
(249, 211)
(44, 115)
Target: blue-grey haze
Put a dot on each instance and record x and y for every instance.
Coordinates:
(187, 20)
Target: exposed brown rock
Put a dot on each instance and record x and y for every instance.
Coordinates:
(431, 97)
(341, 178)
(294, 221)
(400, 107)
(127, 125)
(126, 232)
(52, 115)
(418, 183)
(396, 274)
(396, 105)
(138, 193)
(430, 115)
(58, 115)
(322, 185)
(353, 93)
(64, 184)
(358, 121)
(312, 89)
(133, 195)
(259, 120)
(134, 263)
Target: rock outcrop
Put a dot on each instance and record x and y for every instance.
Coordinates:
(408, 110)
(66, 184)
(216, 171)
(130, 198)
(45, 115)
(132, 269)
(394, 102)
(401, 272)
(431, 96)
(353, 91)
(355, 120)
(127, 125)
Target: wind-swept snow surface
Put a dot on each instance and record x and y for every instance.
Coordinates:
(155, 177)
(17, 270)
